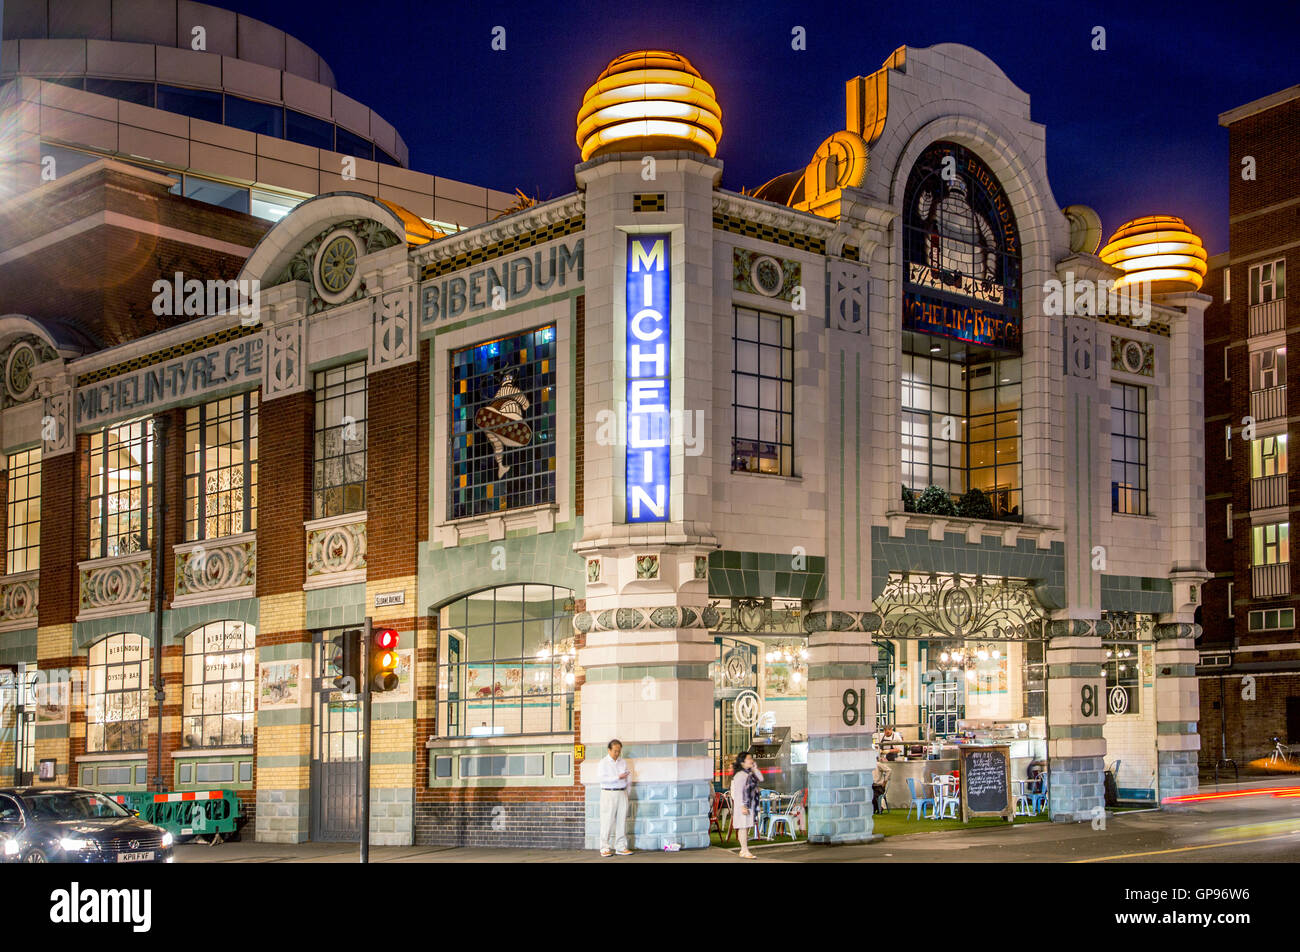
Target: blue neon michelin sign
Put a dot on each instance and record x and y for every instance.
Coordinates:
(649, 377)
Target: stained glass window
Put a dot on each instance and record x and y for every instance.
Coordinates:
(503, 424)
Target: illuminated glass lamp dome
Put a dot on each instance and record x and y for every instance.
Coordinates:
(649, 101)
(1160, 249)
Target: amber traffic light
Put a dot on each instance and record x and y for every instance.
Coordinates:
(383, 659)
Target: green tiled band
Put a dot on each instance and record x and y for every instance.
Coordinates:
(1074, 732)
(638, 672)
(917, 552)
(734, 574)
(828, 672)
(1074, 670)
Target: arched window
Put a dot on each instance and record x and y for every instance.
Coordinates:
(117, 702)
(506, 662)
(220, 670)
(961, 370)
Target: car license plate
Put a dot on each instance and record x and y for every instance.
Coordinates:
(143, 857)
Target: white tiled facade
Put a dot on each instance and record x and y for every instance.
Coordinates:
(647, 595)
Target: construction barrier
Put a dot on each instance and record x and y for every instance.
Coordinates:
(193, 813)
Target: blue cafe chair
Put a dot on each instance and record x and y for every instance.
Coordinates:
(919, 803)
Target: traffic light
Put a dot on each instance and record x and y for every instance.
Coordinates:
(346, 658)
(383, 659)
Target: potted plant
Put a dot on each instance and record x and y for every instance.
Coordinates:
(974, 504)
(935, 501)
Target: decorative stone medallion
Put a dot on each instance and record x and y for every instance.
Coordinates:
(1132, 357)
(335, 267)
(763, 274)
(593, 570)
(702, 566)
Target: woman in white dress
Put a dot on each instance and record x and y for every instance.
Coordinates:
(744, 799)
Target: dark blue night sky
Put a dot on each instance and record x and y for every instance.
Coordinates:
(1130, 131)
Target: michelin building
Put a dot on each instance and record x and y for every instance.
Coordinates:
(656, 460)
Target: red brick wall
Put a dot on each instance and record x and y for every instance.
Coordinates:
(420, 401)
(395, 415)
(61, 480)
(285, 432)
(1249, 723)
(1265, 220)
(174, 487)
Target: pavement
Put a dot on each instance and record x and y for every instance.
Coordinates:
(1232, 828)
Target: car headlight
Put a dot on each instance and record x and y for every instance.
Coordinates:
(11, 848)
(71, 845)
(167, 840)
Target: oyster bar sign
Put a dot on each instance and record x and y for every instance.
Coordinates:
(224, 367)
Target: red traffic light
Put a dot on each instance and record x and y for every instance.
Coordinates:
(383, 659)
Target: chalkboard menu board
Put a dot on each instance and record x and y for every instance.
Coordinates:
(986, 782)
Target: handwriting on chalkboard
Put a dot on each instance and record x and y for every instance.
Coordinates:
(984, 773)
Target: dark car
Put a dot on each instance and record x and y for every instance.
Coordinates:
(72, 825)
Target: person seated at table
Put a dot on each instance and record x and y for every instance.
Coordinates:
(879, 781)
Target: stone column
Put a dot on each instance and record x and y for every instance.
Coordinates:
(1076, 713)
(1178, 708)
(841, 724)
(648, 685)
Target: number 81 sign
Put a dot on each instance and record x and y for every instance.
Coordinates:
(1089, 705)
(855, 707)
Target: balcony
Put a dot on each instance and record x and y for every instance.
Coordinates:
(1268, 404)
(1268, 580)
(1268, 317)
(1268, 491)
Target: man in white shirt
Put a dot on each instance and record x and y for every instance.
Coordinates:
(613, 775)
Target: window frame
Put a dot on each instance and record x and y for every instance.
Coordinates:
(784, 411)
(1126, 499)
(1261, 459)
(97, 719)
(1275, 282)
(99, 541)
(198, 421)
(457, 652)
(1270, 539)
(1130, 680)
(1268, 368)
(24, 469)
(526, 484)
(342, 383)
(248, 680)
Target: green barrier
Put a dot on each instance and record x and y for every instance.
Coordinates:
(209, 817)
